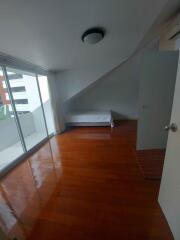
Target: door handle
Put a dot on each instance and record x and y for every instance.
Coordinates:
(173, 127)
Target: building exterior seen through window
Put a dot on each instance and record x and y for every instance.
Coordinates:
(26, 116)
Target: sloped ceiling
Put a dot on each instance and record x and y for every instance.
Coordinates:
(48, 32)
(171, 9)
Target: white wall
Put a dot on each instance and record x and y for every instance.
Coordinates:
(118, 91)
(56, 102)
(71, 82)
(177, 44)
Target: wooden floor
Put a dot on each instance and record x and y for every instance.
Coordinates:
(89, 187)
(151, 163)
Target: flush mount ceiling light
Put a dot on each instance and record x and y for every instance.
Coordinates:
(93, 35)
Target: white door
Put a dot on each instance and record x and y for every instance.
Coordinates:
(158, 73)
(169, 196)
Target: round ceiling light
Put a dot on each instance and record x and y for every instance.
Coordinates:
(93, 35)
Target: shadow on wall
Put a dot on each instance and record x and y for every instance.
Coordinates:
(117, 116)
(117, 91)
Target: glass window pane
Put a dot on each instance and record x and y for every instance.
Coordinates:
(28, 106)
(10, 144)
(44, 89)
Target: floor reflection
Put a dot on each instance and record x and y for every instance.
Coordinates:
(96, 136)
(87, 189)
(26, 190)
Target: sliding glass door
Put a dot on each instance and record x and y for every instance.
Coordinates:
(44, 90)
(10, 141)
(27, 101)
(24, 108)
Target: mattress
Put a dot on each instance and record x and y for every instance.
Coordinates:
(90, 118)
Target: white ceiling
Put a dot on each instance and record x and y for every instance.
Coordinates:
(48, 32)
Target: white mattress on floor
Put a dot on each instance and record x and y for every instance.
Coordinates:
(89, 117)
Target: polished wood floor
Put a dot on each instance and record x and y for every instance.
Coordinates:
(87, 185)
(151, 163)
